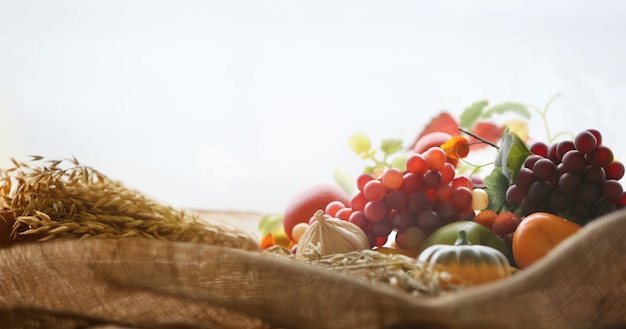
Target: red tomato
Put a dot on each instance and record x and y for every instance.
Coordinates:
(305, 203)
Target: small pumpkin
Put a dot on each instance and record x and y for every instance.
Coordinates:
(463, 264)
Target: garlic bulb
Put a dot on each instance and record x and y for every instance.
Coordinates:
(331, 236)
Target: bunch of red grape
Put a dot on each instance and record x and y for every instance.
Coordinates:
(413, 203)
(578, 179)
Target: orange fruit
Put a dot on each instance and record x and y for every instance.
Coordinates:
(537, 235)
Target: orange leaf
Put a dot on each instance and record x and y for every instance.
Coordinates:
(267, 241)
(456, 147)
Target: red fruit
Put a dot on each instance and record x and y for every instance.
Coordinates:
(505, 223)
(309, 200)
(486, 218)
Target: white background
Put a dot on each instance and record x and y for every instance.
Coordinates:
(236, 105)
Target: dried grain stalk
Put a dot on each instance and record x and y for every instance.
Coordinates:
(63, 199)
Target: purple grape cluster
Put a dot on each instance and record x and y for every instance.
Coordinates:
(576, 179)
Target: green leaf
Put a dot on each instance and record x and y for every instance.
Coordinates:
(345, 180)
(496, 185)
(360, 143)
(508, 107)
(270, 223)
(472, 113)
(390, 146)
(399, 162)
(513, 151)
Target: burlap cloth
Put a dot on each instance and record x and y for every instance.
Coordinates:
(136, 283)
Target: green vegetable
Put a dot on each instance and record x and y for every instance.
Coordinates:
(476, 234)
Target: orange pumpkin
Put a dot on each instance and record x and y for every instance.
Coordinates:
(537, 235)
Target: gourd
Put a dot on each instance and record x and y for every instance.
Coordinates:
(331, 236)
(462, 264)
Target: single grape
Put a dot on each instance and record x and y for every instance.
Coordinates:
(435, 158)
(416, 164)
(528, 206)
(539, 148)
(392, 178)
(574, 161)
(553, 154)
(429, 221)
(447, 173)
(419, 202)
(375, 210)
(615, 170)
(374, 190)
(432, 178)
(403, 219)
(447, 211)
(480, 199)
(362, 180)
(594, 175)
(560, 170)
(298, 230)
(585, 142)
(612, 190)
(358, 218)
(602, 156)
(462, 198)
(334, 206)
(413, 237)
(540, 191)
(514, 195)
(597, 135)
(462, 181)
(530, 160)
(381, 240)
(382, 228)
(444, 192)
(525, 177)
(569, 183)
(358, 201)
(544, 170)
(344, 213)
(563, 147)
(558, 201)
(465, 214)
(397, 199)
(477, 182)
(411, 182)
(588, 195)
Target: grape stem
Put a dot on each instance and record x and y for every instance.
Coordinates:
(479, 138)
(476, 167)
(371, 157)
(543, 114)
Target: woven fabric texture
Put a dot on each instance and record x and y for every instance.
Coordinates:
(138, 283)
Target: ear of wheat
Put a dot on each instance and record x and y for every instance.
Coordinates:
(63, 199)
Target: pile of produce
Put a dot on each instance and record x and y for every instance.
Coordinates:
(463, 224)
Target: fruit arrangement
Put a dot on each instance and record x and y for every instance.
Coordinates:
(413, 200)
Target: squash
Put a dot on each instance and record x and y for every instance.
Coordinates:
(462, 264)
